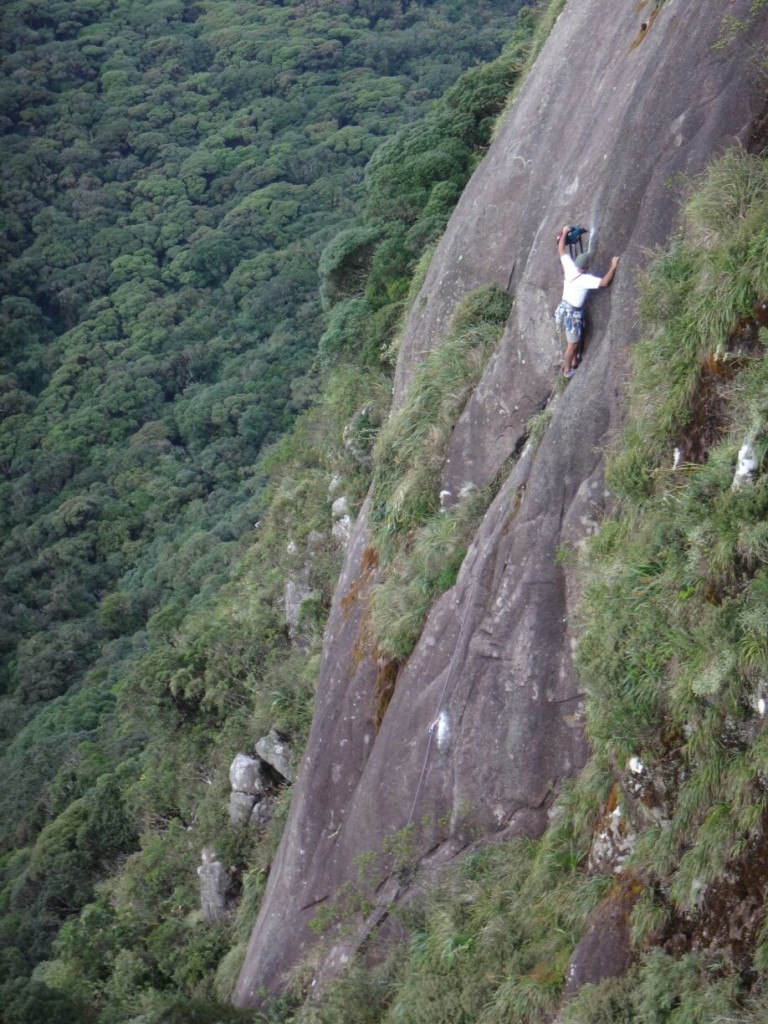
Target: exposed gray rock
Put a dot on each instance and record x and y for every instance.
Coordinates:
(251, 801)
(262, 812)
(745, 468)
(246, 775)
(297, 592)
(276, 751)
(613, 841)
(340, 507)
(240, 807)
(605, 950)
(342, 520)
(213, 887)
(357, 435)
(602, 141)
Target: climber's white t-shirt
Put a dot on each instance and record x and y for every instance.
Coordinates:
(577, 283)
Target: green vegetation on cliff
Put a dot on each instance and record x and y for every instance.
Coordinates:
(419, 544)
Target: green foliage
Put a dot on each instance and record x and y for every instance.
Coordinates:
(607, 1003)
(409, 450)
(71, 850)
(425, 570)
(668, 984)
(361, 995)
(732, 28)
(692, 298)
(650, 916)
(662, 989)
(349, 325)
(421, 547)
(165, 223)
(29, 1002)
(176, 1010)
(412, 184)
(345, 263)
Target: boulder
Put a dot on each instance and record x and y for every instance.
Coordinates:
(240, 807)
(297, 591)
(746, 467)
(341, 520)
(275, 750)
(246, 775)
(261, 813)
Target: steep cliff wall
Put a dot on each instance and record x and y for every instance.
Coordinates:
(485, 718)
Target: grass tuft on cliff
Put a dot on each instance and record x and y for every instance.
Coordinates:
(420, 546)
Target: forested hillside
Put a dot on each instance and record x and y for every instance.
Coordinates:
(194, 233)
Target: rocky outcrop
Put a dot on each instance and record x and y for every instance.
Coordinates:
(342, 520)
(605, 949)
(485, 718)
(274, 750)
(214, 883)
(254, 780)
(249, 787)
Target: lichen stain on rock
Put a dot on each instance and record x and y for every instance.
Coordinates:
(383, 689)
(368, 566)
(613, 839)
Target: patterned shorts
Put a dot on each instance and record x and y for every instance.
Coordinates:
(572, 319)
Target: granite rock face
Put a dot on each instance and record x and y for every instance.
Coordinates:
(485, 718)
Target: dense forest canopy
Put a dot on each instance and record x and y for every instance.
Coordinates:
(197, 248)
(171, 175)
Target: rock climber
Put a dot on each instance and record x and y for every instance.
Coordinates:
(569, 315)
